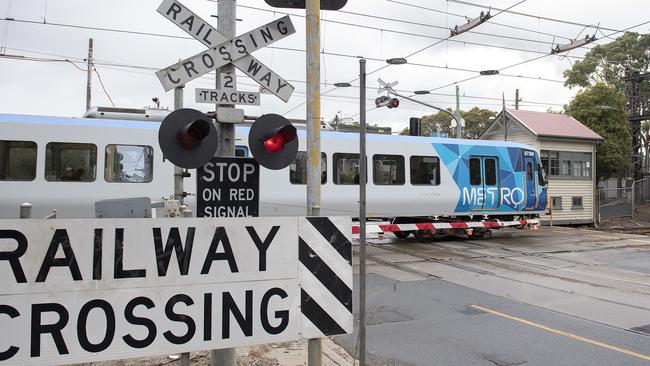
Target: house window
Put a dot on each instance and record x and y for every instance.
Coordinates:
(576, 203)
(556, 203)
(566, 163)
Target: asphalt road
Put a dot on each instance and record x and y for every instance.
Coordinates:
(555, 297)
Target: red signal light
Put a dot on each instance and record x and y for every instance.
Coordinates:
(282, 137)
(394, 103)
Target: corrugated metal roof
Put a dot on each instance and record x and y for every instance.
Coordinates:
(555, 125)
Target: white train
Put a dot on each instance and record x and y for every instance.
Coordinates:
(70, 163)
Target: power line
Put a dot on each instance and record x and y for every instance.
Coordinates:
(530, 15)
(495, 23)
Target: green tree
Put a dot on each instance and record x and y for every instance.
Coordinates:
(476, 120)
(601, 107)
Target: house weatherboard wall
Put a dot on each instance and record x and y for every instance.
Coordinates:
(567, 150)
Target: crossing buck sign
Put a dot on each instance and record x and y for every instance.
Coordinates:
(223, 51)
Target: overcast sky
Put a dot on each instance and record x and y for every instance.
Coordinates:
(375, 29)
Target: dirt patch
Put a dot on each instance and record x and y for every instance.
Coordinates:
(639, 222)
(289, 354)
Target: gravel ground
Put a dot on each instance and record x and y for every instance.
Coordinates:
(640, 220)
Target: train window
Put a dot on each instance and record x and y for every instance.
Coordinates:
(241, 151)
(346, 168)
(128, 164)
(298, 168)
(475, 171)
(70, 162)
(425, 170)
(17, 160)
(388, 169)
(529, 171)
(490, 172)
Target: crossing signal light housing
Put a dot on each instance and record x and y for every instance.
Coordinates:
(300, 4)
(393, 103)
(273, 141)
(188, 138)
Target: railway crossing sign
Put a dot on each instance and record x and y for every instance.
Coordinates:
(88, 290)
(223, 51)
(226, 96)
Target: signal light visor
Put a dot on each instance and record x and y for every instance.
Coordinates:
(190, 136)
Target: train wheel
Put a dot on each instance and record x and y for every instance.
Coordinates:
(402, 234)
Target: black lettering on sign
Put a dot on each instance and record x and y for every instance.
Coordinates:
(174, 8)
(97, 254)
(262, 246)
(169, 76)
(266, 78)
(13, 256)
(82, 325)
(229, 306)
(282, 28)
(254, 67)
(228, 81)
(60, 239)
(267, 36)
(280, 85)
(12, 350)
(283, 315)
(205, 38)
(118, 259)
(183, 318)
(37, 328)
(136, 320)
(241, 46)
(189, 21)
(218, 237)
(207, 60)
(189, 66)
(207, 316)
(174, 242)
(223, 50)
(253, 40)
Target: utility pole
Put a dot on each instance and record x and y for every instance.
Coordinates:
(516, 99)
(459, 127)
(89, 74)
(226, 25)
(312, 13)
(503, 116)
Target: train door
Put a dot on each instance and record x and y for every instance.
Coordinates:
(484, 183)
(530, 181)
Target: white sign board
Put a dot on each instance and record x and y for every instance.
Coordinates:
(222, 51)
(226, 96)
(85, 290)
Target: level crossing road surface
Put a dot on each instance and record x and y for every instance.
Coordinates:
(558, 296)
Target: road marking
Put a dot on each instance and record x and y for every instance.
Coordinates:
(566, 334)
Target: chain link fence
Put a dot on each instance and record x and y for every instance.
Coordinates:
(622, 201)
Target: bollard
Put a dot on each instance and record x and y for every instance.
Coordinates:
(26, 210)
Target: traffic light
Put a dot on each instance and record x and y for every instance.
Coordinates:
(393, 103)
(415, 125)
(188, 138)
(273, 141)
(381, 101)
(300, 4)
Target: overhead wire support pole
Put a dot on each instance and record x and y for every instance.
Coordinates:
(312, 47)
(89, 76)
(362, 213)
(573, 45)
(471, 24)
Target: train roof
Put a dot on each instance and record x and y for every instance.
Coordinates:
(352, 136)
